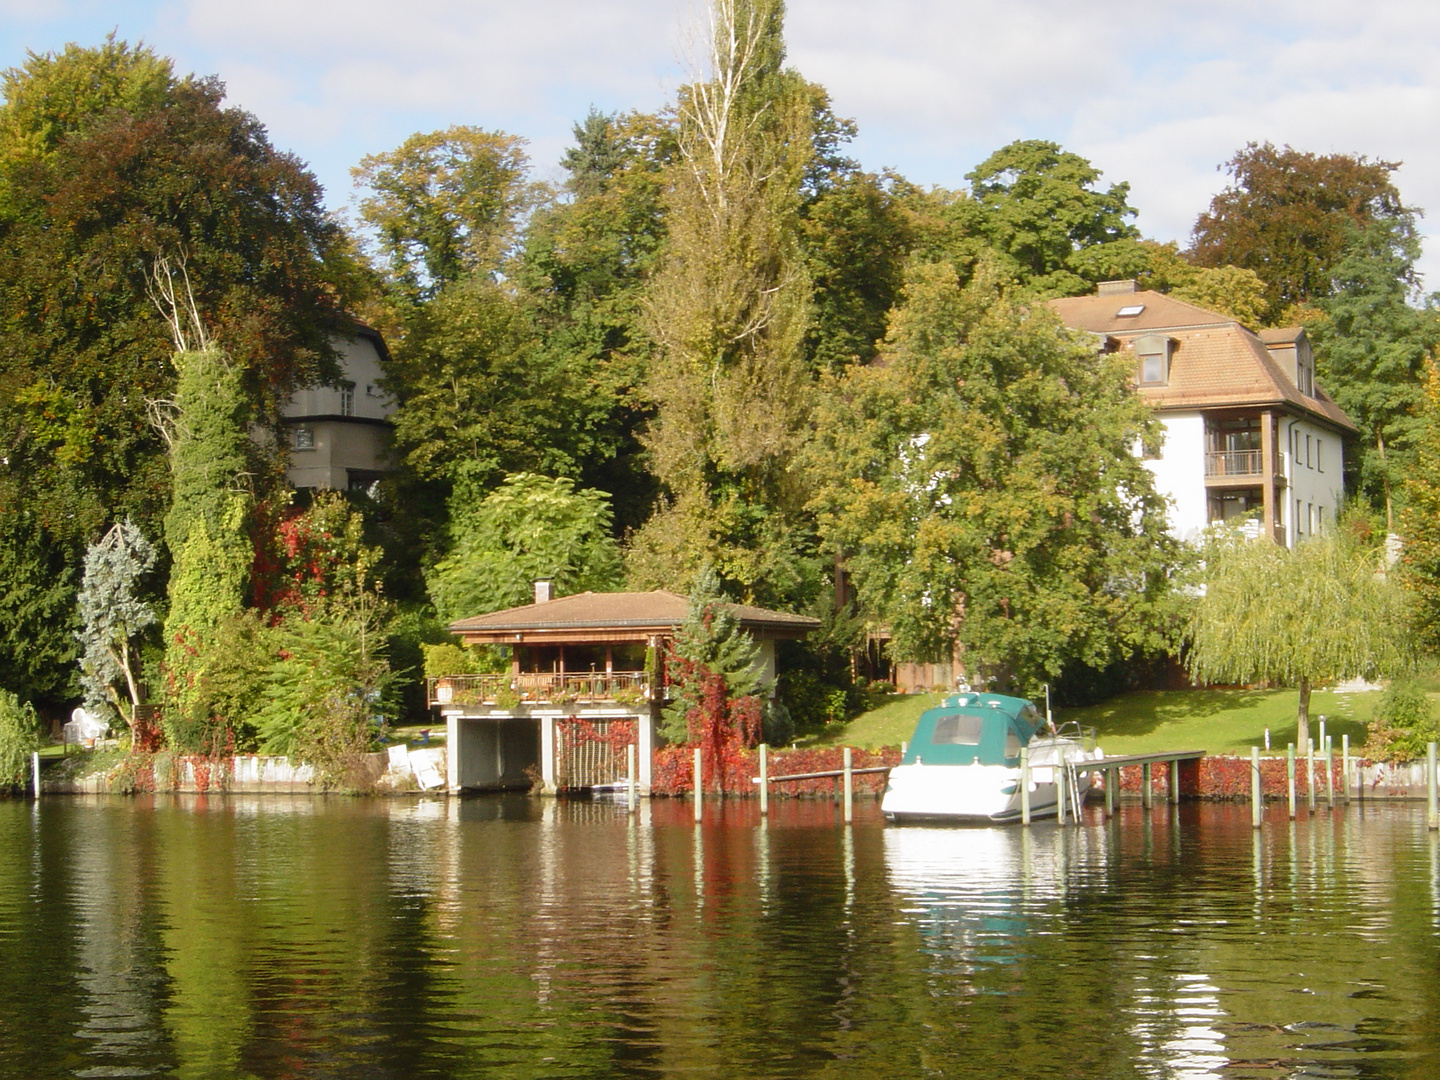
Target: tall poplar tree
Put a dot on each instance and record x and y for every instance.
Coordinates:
(728, 311)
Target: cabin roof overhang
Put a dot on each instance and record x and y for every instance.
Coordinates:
(614, 618)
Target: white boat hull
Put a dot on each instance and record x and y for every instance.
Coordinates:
(974, 793)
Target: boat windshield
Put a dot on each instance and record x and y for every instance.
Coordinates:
(958, 731)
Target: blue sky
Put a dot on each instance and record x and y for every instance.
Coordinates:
(1153, 91)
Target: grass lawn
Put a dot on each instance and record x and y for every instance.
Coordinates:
(1217, 721)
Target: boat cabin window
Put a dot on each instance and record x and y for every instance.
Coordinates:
(1012, 743)
(958, 730)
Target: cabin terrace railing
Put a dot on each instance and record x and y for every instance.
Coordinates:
(541, 688)
(1235, 463)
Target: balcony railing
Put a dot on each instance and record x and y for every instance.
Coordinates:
(1235, 463)
(628, 688)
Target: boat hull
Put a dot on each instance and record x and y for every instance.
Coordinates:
(969, 793)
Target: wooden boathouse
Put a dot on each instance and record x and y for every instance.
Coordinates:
(586, 679)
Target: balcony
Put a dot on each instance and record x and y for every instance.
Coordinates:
(1237, 464)
(625, 689)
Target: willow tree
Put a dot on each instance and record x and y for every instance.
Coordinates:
(1319, 612)
(728, 311)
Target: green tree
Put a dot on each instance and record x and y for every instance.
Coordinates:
(728, 310)
(1288, 216)
(583, 274)
(19, 738)
(1419, 518)
(1302, 616)
(113, 614)
(107, 159)
(529, 528)
(1037, 205)
(1371, 348)
(981, 487)
(445, 205)
(1229, 290)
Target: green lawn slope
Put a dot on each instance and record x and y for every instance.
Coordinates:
(1216, 721)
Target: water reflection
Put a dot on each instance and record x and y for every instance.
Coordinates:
(510, 937)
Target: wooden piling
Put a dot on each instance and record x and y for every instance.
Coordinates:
(849, 788)
(699, 785)
(1329, 772)
(1434, 808)
(1345, 768)
(1112, 790)
(1060, 785)
(1175, 783)
(1310, 775)
(1147, 800)
(630, 799)
(764, 779)
(1024, 785)
(1256, 796)
(35, 771)
(1290, 776)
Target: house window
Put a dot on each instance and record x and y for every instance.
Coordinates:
(304, 439)
(1299, 524)
(347, 399)
(1307, 451)
(1152, 369)
(1319, 455)
(1225, 505)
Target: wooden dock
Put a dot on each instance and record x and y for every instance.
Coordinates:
(1111, 767)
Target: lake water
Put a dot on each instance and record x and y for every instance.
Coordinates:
(509, 937)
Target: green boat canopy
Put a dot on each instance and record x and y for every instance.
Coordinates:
(968, 728)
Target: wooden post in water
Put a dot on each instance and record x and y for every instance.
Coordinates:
(1345, 768)
(1175, 783)
(1310, 775)
(1112, 790)
(1290, 776)
(1329, 772)
(699, 784)
(35, 771)
(764, 779)
(1434, 814)
(1146, 799)
(1256, 806)
(630, 799)
(1024, 785)
(849, 788)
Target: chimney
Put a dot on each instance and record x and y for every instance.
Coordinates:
(544, 591)
(1115, 288)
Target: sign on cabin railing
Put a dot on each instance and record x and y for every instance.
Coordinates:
(508, 691)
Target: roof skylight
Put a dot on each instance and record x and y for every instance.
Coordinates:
(1129, 310)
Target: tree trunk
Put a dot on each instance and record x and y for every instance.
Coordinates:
(1302, 729)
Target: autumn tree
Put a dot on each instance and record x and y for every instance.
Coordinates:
(981, 486)
(728, 310)
(1320, 612)
(1288, 216)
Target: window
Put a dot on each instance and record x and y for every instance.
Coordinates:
(958, 731)
(1319, 455)
(1224, 505)
(1152, 369)
(347, 399)
(1307, 451)
(304, 438)
(1299, 523)
(1129, 311)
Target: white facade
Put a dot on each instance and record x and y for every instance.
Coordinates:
(1179, 473)
(1314, 468)
(339, 435)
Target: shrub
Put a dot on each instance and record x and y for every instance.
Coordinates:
(19, 738)
(1404, 722)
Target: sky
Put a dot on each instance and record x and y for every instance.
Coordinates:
(1154, 92)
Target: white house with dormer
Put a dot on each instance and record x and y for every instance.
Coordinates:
(1246, 429)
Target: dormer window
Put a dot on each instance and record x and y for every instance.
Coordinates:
(1153, 351)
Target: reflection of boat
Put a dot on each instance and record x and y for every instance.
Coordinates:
(963, 763)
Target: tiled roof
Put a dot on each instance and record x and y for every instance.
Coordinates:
(658, 610)
(1215, 362)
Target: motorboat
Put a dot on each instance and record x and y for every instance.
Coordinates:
(964, 764)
